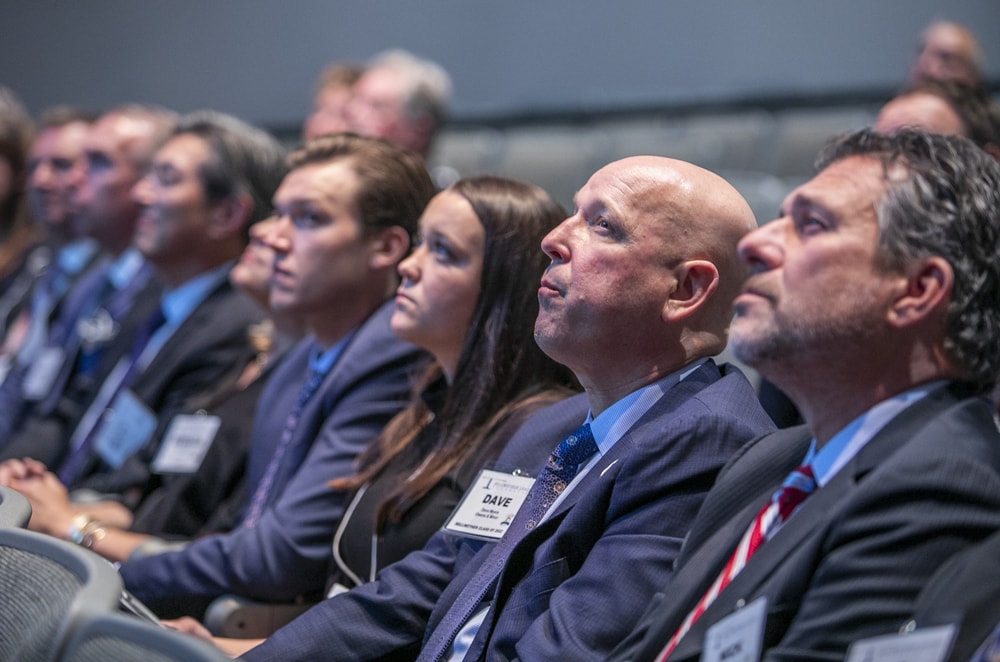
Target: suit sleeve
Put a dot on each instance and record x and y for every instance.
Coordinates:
(381, 620)
(876, 560)
(286, 554)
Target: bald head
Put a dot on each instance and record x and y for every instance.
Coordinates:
(643, 273)
(921, 110)
(697, 214)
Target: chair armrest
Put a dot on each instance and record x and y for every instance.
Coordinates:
(241, 618)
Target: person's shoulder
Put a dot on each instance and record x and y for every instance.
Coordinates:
(373, 339)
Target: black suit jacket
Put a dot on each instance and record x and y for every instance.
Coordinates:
(851, 561)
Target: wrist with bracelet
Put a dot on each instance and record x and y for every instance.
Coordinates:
(85, 531)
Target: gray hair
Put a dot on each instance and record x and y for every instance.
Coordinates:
(942, 199)
(428, 86)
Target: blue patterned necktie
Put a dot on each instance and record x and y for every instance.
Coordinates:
(264, 486)
(559, 471)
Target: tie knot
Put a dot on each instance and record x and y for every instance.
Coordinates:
(799, 484)
(575, 448)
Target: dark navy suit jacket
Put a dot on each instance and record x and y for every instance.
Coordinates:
(851, 561)
(286, 554)
(579, 582)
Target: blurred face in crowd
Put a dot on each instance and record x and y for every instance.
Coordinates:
(946, 52)
(440, 279)
(176, 214)
(103, 207)
(378, 108)
(816, 291)
(54, 164)
(919, 110)
(329, 114)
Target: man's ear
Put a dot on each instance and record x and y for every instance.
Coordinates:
(387, 247)
(230, 216)
(925, 288)
(696, 281)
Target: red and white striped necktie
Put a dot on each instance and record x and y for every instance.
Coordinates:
(799, 484)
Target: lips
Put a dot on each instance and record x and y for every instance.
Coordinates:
(282, 277)
(547, 287)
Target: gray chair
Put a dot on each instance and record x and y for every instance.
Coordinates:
(47, 587)
(238, 617)
(14, 508)
(121, 638)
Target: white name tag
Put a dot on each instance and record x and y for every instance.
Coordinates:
(487, 508)
(125, 428)
(43, 372)
(185, 444)
(923, 645)
(737, 637)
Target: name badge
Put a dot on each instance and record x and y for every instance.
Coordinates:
(185, 444)
(42, 373)
(489, 505)
(923, 645)
(737, 637)
(125, 428)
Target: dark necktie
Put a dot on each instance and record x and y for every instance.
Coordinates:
(799, 485)
(71, 467)
(287, 434)
(560, 469)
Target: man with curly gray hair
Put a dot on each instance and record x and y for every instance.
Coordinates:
(872, 302)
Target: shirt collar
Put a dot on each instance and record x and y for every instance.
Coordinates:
(125, 267)
(180, 301)
(321, 360)
(74, 256)
(611, 424)
(844, 445)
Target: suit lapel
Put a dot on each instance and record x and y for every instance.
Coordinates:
(607, 467)
(815, 512)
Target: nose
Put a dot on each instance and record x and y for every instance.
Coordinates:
(761, 249)
(556, 243)
(41, 176)
(142, 191)
(409, 268)
(278, 234)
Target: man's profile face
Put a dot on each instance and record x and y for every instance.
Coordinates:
(321, 250)
(815, 288)
(102, 204)
(602, 295)
(175, 212)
